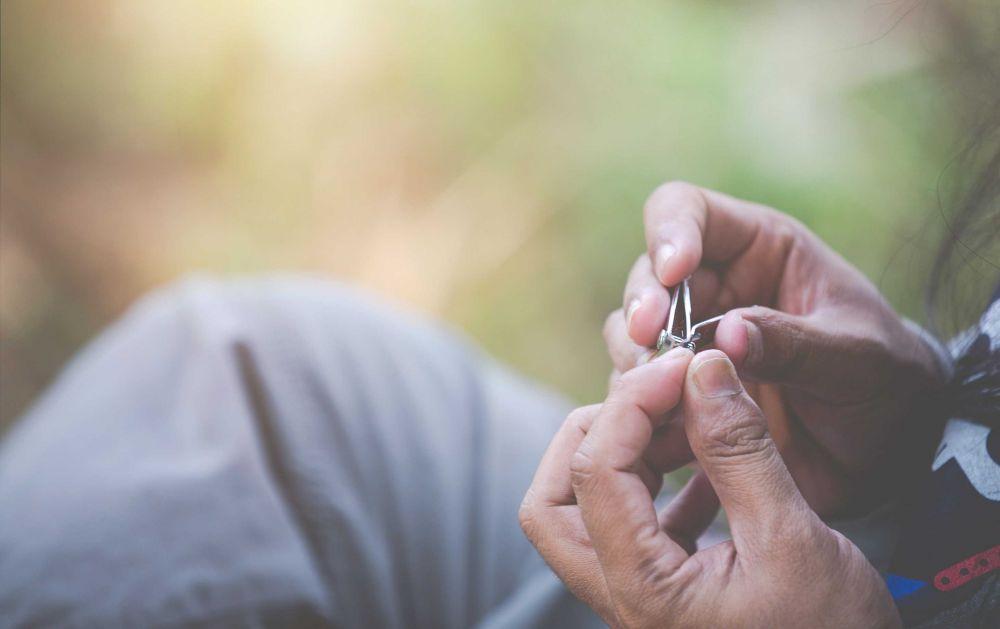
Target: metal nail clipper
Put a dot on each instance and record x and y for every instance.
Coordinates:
(688, 335)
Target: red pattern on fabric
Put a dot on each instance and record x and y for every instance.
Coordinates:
(968, 569)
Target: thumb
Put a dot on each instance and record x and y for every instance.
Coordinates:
(729, 437)
(787, 349)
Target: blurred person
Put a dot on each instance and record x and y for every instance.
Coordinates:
(288, 452)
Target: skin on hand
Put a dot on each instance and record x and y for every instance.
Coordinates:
(590, 513)
(834, 367)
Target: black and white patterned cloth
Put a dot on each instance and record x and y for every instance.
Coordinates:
(945, 567)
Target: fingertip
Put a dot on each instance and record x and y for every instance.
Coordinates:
(663, 261)
(645, 316)
(676, 259)
(732, 339)
(707, 355)
(677, 353)
(656, 386)
(714, 376)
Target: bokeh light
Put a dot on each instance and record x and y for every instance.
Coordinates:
(483, 162)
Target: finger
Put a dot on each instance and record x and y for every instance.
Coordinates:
(551, 520)
(552, 484)
(624, 352)
(616, 507)
(652, 479)
(729, 437)
(669, 449)
(691, 512)
(646, 303)
(822, 359)
(843, 360)
(685, 223)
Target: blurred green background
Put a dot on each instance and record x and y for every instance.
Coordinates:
(482, 161)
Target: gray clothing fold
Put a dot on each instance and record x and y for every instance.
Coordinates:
(277, 453)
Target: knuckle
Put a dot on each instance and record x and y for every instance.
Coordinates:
(788, 229)
(580, 418)
(873, 357)
(741, 432)
(627, 385)
(878, 354)
(527, 516)
(582, 467)
(624, 393)
(785, 358)
(833, 542)
(798, 534)
(619, 390)
(650, 575)
(652, 589)
(613, 378)
(783, 225)
(796, 538)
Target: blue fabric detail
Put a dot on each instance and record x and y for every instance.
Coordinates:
(900, 587)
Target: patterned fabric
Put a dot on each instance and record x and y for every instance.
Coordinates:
(944, 572)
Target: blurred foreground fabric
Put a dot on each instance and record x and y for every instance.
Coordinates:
(277, 452)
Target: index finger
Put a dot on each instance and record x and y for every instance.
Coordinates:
(551, 520)
(686, 224)
(616, 507)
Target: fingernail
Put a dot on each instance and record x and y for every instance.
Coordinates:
(755, 344)
(673, 354)
(717, 378)
(632, 307)
(663, 255)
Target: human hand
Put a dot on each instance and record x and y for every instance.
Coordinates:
(590, 514)
(834, 367)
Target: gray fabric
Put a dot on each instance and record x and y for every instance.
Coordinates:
(980, 611)
(276, 453)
